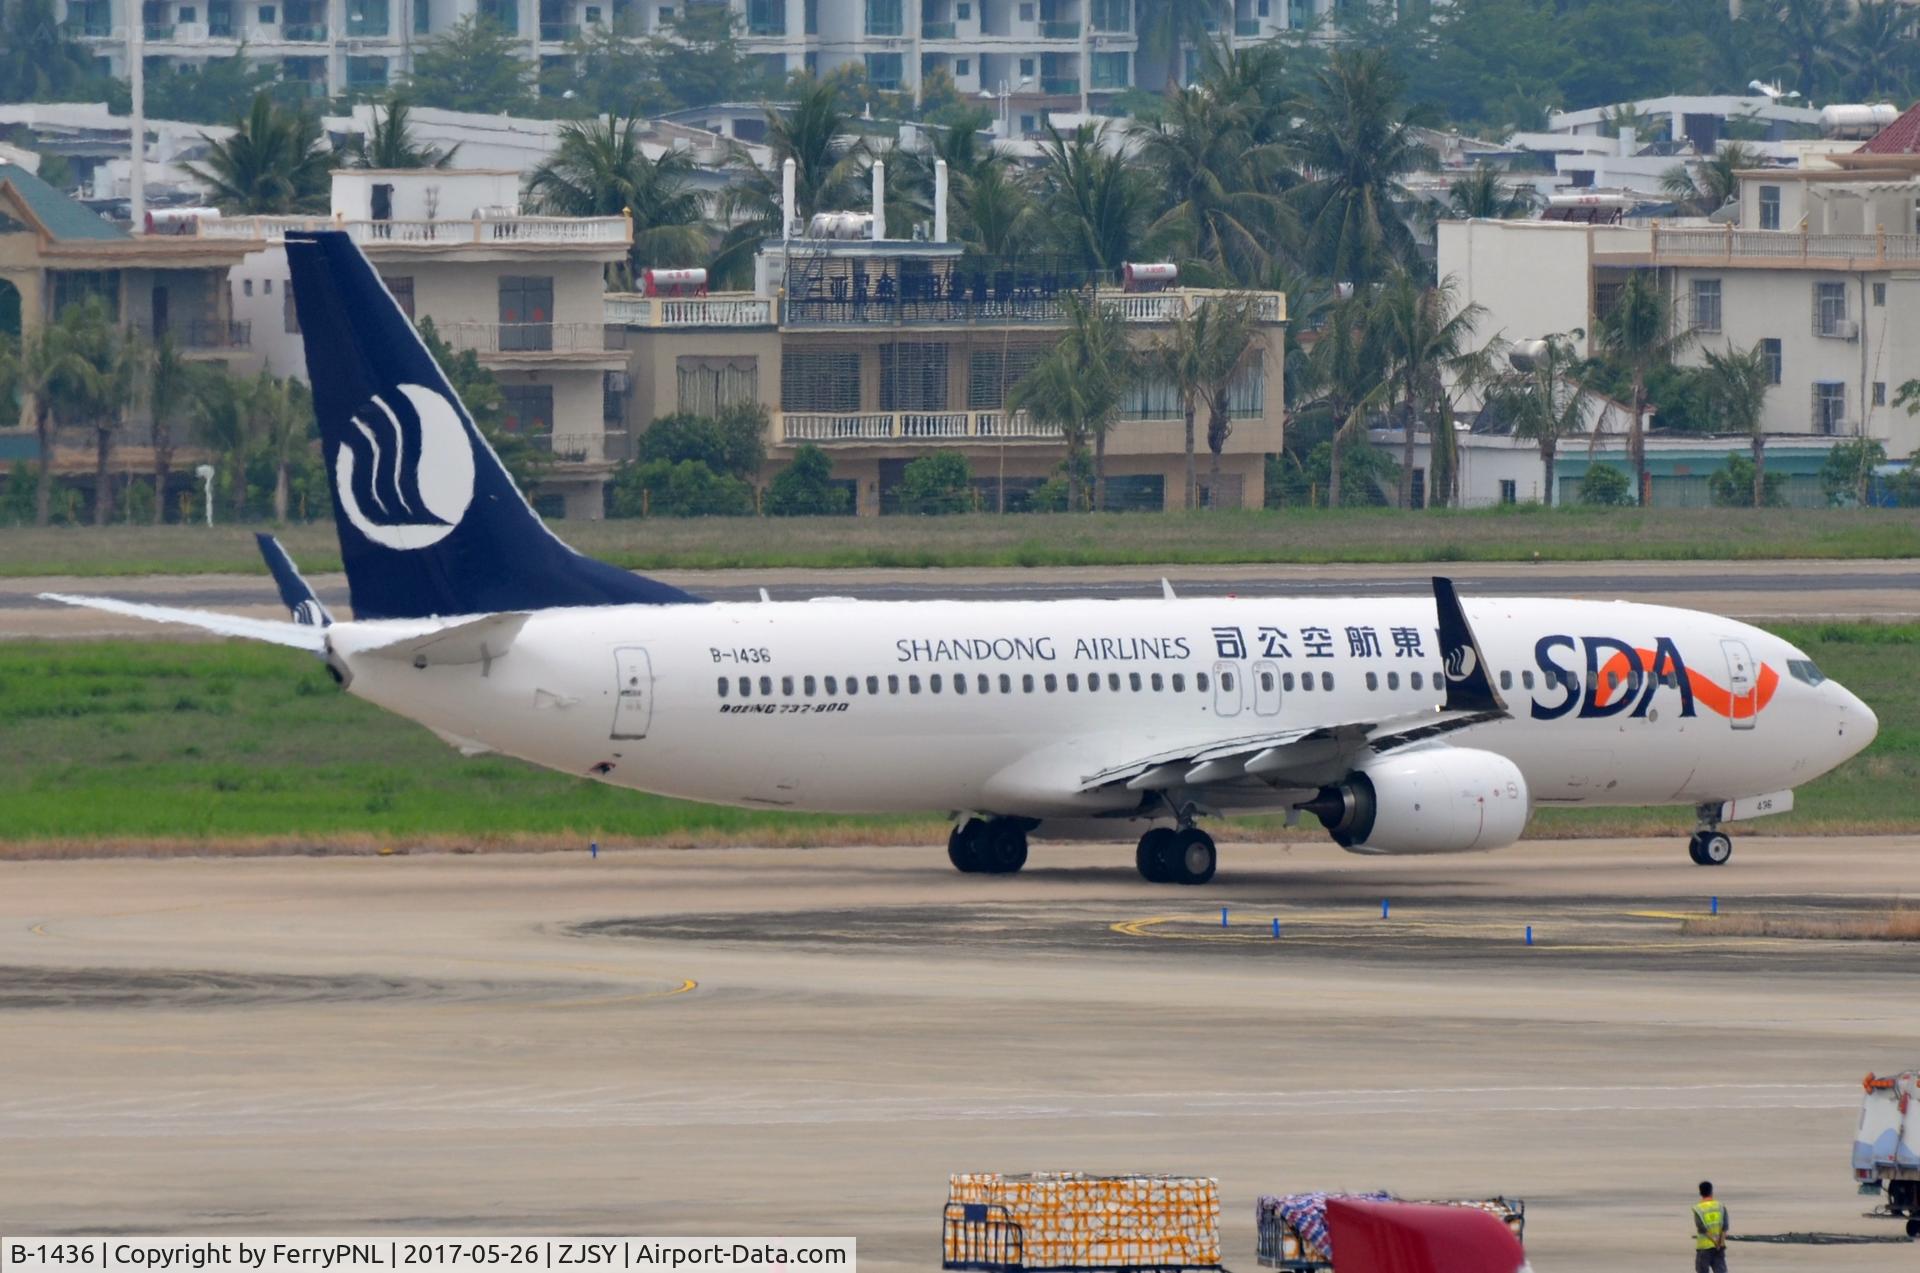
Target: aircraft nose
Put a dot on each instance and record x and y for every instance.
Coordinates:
(1858, 725)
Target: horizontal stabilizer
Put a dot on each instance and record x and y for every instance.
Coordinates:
(479, 641)
(299, 636)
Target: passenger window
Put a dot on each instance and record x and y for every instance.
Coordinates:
(913, 684)
(833, 687)
(893, 685)
(1286, 682)
(1413, 679)
(1156, 682)
(1093, 681)
(746, 686)
(1266, 681)
(786, 686)
(766, 686)
(723, 687)
(1200, 681)
(1306, 681)
(1226, 681)
(1506, 678)
(853, 685)
(1326, 680)
(1133, 681)
(1073, 681)
(806, 686)
(1179, 683)
(959, 682)
(1526, 680)
(873, 685)
(1373, 682)
(984, 685)
(933, 683)
(1026, 683)
(1113, 681)
(1613, 680)
(1006, 683)
(1052, 683)
(1393, 680)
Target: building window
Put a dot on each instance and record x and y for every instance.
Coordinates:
(422, 17)
(1879, 294)
(1026, 68)
(1109, 70)
(527, 409)
(813, 379)
(708, 386)
(1706, 304)
(884, 18)
(1879, 393)
(988, 379)
(268, 15)
(1026, 13)
(913, 377)
(402, 289)
(1418, 488)
(1829, 406)
(884, 71)
(766, 17)
(962, 67)
(811, 18)
(1771, 347)
(526, 312)
(1509, 491)
(1769, 207)
(289, 315)
(1829, 308)
(246, 287)
(77, 287)
(1113, 15)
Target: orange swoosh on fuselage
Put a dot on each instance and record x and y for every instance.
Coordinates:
(1707, 692)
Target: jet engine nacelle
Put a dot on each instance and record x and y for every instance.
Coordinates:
(1437, 800)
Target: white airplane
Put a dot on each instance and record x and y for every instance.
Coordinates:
(1388, 720)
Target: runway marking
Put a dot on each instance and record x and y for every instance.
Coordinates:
(1359, 927)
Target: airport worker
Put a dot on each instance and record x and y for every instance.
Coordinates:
(1709, 1232)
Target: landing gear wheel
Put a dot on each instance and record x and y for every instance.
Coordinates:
(1151, 857)
(1913, 1229)
(964, 846)
(1003, 849)
(1191, 858)
(1711, 848)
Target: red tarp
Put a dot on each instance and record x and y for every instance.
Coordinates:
(1412, 1237)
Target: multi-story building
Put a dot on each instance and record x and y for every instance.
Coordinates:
(880, 352)
(1032, 55)
(523, 293)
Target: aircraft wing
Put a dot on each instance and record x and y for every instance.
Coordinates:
(1316, 754)
(297, 635)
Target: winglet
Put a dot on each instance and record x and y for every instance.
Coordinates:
(1469, 682)
(295, 592)
(1166, 589)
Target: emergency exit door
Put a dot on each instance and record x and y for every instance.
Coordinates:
(1740, 684)
(633, 699)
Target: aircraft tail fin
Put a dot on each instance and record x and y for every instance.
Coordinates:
(295, 592)
(430, 522)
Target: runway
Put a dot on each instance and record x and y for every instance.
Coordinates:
(754, 1041)
(1880, 590)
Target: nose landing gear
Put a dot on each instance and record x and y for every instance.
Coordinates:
(1710, 846)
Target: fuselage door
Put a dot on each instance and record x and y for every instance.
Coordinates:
(1226, 689)
(1740, 682)
(1266, 689)
(633, 695)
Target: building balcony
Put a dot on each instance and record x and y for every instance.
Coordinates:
(1059, 30)
(1763, 249)
(939, 31)
(156, 30)
(1018, 302)
(552, 345)
(201, 336)
(500, 232)
(1247, 28)
(1060, 85)
(304, 32)
(743, 310)
(791, 428)
(581, 448)
(559, 32)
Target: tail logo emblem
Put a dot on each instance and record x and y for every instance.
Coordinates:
(405, 471)
(1460, 663)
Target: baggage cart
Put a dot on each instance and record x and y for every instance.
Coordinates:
(1293, 1235)
(1074, 1222)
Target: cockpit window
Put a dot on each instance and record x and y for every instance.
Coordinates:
(1804, 670)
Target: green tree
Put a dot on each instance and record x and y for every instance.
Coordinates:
(1200, 354)
(1096, 205)
(1482, 194)
(606, 71)
(670, 488)
(207, 95)
(699, 58)
(283, 410)
(1741, 485)
(1208, 167)
(168, 389)
(1605, 486)
(1847, 474)
(1168, 28)
(805, 488)
(1545, 401)
(1425, 332)
(1637, 336)
(1345, 381)
(1878, 48)
(70, 371)
(524, 457)
(1079, 386)
(997, 216)
(389, 142)
(733, 443)
(224, 417)
(816, 134)
(938, 483)
(1737, 383)
(277, 161)
(1354, 142)
(475, 66)
(600, 169)
(1710, 184)
(40, 62)
(103, 397)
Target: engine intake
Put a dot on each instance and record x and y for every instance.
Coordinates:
(1439, 800)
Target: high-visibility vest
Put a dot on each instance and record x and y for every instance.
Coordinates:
(1713, 1220)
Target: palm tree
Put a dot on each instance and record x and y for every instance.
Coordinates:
(998, 216)
(1878, 41)
(1347, 366)
(1738, 381)
(1806, 31)
(1096, 203)
(168, 386)
(1080, 386)
(1171, 27)
(283, 412)
(1206, 163)
(1545, 401)
(601, 169)
(1424, 332)
(828, 165)
(37, 63)
(1638, 336)
(1200, 355)
(1482, 195)
(276, 162)
(1353, 143)
(1712, 183)
(60, 374)
(115, 360)
(389, 142)
(224, 408)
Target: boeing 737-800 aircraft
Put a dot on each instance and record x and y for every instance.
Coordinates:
(1389, 720)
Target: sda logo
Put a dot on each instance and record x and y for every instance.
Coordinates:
(405, 469)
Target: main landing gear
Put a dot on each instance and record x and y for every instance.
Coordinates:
(1176, 856)
(1710, 846)
(981, 846)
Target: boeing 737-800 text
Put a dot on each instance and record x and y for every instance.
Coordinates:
(1402, 725)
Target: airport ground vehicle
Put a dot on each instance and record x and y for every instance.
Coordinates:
(1886, 1148)
(1295, 1233)
(1076, 1221)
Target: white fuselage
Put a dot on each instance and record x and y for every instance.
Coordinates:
(853, 706)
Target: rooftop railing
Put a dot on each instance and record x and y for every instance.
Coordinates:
(1775, 248)
(743, 310)
(923, 426)
(498, 231)
(533, 338)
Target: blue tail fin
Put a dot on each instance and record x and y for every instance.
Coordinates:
(430, 522)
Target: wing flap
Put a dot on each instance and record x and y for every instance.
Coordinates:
(298, 636)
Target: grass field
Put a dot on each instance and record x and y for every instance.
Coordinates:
(242, 748)
(1516, 533)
